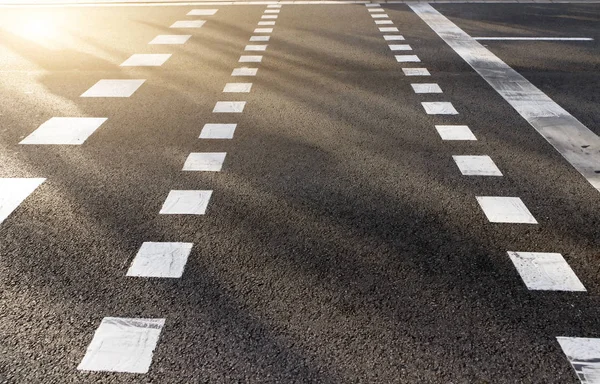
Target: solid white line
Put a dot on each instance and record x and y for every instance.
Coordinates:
(536, 38)
(573, 140)
(584, 355)
(13, 191)
(542, 271)
(166, 260)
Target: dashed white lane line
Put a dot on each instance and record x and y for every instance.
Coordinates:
(255, 47)
(384, 22)
(545, 272)
(400, 47)
(218, 131)
(244, 71)
(260, 38)
(477, 166)
(204, 161)
(266, 23)
(202, 12)
(380, 16)
(426, 88)
(584, 355)
(165, 260)
(122, 345)
(146, 60)
(188, 24)
(186, 203)
(372, 5)
(455, 132)
(64, 131)
(269, 17)
(439, 108)
(250, 59)
(416, 72)
(237, 87)
(388, 29)
(263, 30)
(13, 191)
(229, 107)
(170, 39)
(374, 10)
(393, 37)
(272, 11)
(114, 88)
(407, 59)
(501, 209)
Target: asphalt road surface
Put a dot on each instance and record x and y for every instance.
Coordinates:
(319, 229)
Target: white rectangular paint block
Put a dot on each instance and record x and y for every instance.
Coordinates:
(400, 47)
(380, 16)
(260, 38)
(188, 24)
(584, 355)
(244, 71)
(455, 132)
(218, 131)
(229, 107)
(388, 29)
(426, 88)
(393, 37)
(64, 131)
(205, 161)
(272, 11)
(269, 17)
(202, 12)
(146, 60)
(384, 22)
(262, 47)
(266, 23)
(170, 39)
(477, 166)
(374, 10)
(439, 108)
(372, 5)
(186, 203)
(122, 345)
(407, 59)
(263, 30)
(545, 271)
(500, 209)
(237, 88)
(274, 6)
(416, 72)
(13, 191)
(250, 59)
(113, 88)
(165, 260)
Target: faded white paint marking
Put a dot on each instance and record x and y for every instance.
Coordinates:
(374, 10)
(500, 209)
(584, 355)
(165, 260)
(573, 140)
(439, 108)
(272, 11)
(266, 23)
(218, 131)
(388, 29)
(229, 107)
(380, 16)
(244, 71)
(426, 88)
(170, 39)
(372, 5)
(202, 12)
(416, 72)
(256, 47)
(122, 345)
(260, 38)
(545, 271)
(455, 132)
(250, 59)
(205, 161)
(269, 17)
(274, 6)
(13, 191)
(536, 38)
(237, 87)
(113, 88)
(408, 59)
(477, 166)
(384, 22)
(400, 47)
(263, 30)
(146, 60)
(186, 203)
(393, 37)
(188, 24)
(64, 131)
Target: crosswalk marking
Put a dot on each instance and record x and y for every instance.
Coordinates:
(64, 131)
(476, 165)
(114, 88)
(13, 191)
(545, 271)
(500, 209)
(164, 260)
(218, 131)
(186, 202)
(170, 39)
(205, 161)
(426, 88)
(229, 107)
(146, 60)
(439, 108)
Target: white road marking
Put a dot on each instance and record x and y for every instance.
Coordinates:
(380, 16)
(272, 11)
(205, 162)
(113, 88)
(536, 38)
(500, 209)
(408, 59)
(188, 24)
(388, 29)
(263, 30)
(202, 12)
(393, 37)
(545, 272)
(269, 17)
(274, 6)
(256, 47)
(244, 71)
(455, 132)
(266, 23)
(122, 345)
(573, 140)
(218, 131)
(400, 47)
(170, 39)
(237, 87)
(372, 5)
(229, 107)
(584, 355)
(146, 60)
(439, 108)
(260, 38)
(373, 10)
(426, 88)
(477, 166)
(186, 203)
(13, 191)
(416, 72)
(166, 260)
(383, 22)
(64, 131)
(250, 59)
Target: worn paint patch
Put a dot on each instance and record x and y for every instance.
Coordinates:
(244, 71)
(186, 203)
(262, 47)
(205, 161)
(260, 38)
(416, 72)
(229, 107)
(165, 260)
